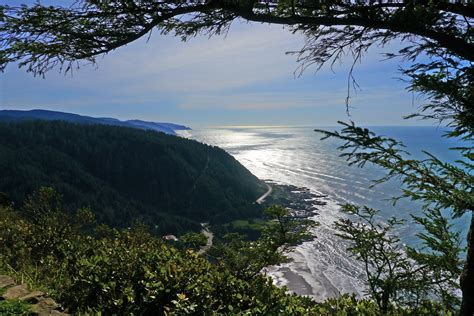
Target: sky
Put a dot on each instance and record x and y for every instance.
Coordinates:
(244, 78)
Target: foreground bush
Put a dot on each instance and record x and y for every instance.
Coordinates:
(92, 268)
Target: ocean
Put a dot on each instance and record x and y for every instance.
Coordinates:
(297, 156)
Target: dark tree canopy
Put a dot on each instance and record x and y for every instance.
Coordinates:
(125, 175)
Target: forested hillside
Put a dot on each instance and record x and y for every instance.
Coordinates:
(124, 174)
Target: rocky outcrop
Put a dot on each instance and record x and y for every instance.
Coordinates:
(40, 304)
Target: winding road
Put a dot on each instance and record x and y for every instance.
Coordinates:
(261, 199)
(209, 235)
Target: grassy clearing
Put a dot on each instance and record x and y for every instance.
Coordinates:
(255, 224)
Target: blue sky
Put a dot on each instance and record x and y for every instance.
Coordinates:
(244, 78)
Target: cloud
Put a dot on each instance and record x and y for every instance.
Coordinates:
(272, 100)
(245, 57)
(249, 55)
(245, 71)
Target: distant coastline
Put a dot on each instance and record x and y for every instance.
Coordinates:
(16, 115)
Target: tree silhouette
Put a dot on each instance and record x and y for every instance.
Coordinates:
(438, 38)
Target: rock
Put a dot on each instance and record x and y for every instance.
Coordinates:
(56, 312)
(46, 306)
(16, 292)
(33, 297)
(6, 281)
(49, 303)
(42, 306)
(48, 313)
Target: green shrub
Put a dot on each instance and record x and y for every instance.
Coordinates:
(92, 269)
(14, 307)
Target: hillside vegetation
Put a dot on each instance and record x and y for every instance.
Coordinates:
(92, 269)
(124, 174)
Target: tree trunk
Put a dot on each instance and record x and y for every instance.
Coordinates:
(467, 276)
(385, 301)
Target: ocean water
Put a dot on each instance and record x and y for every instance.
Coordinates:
(296, 155)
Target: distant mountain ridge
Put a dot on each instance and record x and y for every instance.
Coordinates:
(17, 115)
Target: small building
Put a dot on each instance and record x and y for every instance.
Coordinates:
(170, 238)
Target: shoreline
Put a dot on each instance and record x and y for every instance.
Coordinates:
(319, 268)
(303, 202)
